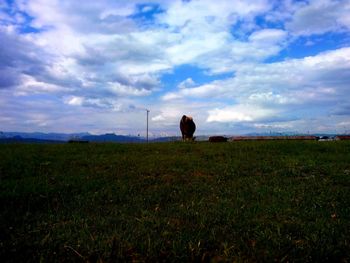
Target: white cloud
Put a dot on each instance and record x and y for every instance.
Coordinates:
(74, 100)
(158, 118)
(276, 91)
(270, 98)
(124, 90)
(90, 17)
(172, 96)
(84, 49)
(321, 16)
(219, 13)
(240, 113)
(187, 83)
(169, 114)
(276, 126)
(200, 32)
(231, 53)
(268, 36)
(203, 91)
(31, 86)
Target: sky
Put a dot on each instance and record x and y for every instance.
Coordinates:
(235, 66)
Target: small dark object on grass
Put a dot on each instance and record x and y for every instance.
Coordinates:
(342, 137)
(78, 141)
(217, 139)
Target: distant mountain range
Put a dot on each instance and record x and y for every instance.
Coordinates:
(42, 136)
(110, 137)
(37, 137)
(19, 139)
(11, 137)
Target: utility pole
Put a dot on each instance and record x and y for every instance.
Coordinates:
(147, 124)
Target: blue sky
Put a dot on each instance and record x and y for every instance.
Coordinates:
(235, 66)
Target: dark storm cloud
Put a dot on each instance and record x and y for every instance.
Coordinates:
(20, 56)
(342, 109)
(119, 50)
(8, 78)
(339, 77)
(16, 56)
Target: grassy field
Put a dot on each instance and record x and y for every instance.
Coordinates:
(243, 201)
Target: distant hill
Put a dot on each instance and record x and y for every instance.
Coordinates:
(38, 137)
(19, 139)
(111, 137)
(42, 136)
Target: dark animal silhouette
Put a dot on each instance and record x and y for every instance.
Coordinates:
(217, 139)
(187, 128)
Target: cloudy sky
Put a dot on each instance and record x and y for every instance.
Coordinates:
(235, 66)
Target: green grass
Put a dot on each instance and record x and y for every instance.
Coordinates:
(243, 201)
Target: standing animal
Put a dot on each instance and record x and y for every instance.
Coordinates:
(187, 128)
